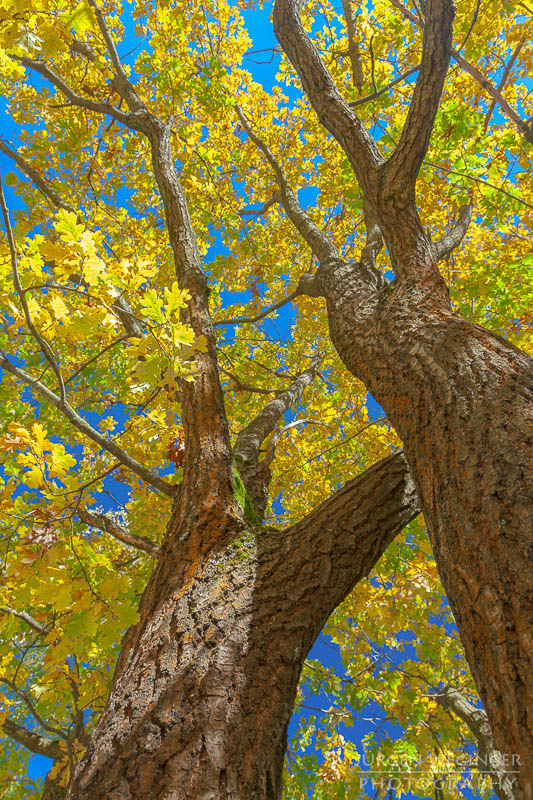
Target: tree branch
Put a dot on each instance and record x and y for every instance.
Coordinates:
(77, 100)
(33, 741)
(256, 474)
(43, 185)
(337, 544)
(27, 618)
(374, 239)
(121, 81)
(402, 168)
(362, 100)
(208, 446)
(503, 81)
(31, 707)
(122, 307)
(522, 126)
(445, 245)
(321, 247)
(491, 760)
(262, 314)
(242, 386)
(332, 110)
(43, 344)
(258, 212)
(83, 426)
(104, 523)
(353, 45)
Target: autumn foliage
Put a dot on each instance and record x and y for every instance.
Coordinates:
(97, 344)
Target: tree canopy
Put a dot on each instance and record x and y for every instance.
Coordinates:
(96, 345)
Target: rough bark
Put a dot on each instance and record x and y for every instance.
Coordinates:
(256, 474)
(200, 705)
(205, 683)
(460, 397)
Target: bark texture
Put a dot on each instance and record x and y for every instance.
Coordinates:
(205, 688)
(461, 399)
(459, 396)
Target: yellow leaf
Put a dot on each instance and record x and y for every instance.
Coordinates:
(59, 308)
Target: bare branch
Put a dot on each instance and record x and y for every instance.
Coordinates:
(350, 530)
(37, 626)
(321, 247)
(104, 523)
(404, 164)
(249, 440)
(471, 26)
(256, 474)
(83, 426)
(33, 741)
(242, 386)
(444, 246)
(43, 344)
(262, 314)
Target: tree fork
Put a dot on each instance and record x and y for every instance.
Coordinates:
(202, 698)
(459, 396)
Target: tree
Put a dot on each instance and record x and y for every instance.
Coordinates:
(131, 161)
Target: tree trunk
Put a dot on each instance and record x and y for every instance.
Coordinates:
(206, 682)
(461, 399)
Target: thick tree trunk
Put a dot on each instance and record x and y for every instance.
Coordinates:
(206, 684)
(461, 399)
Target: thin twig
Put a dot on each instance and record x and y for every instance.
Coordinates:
(43, 344)
(386, 88)
(262, 314)
(84, 427)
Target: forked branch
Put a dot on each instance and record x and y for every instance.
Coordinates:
(403, 166)
(256, 474)
(91, 433)
(332, 110)
(447, 244)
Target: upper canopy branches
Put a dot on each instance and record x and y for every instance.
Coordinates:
(387, 185)
(399, 172)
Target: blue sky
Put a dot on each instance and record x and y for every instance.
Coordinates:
(263, 64)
